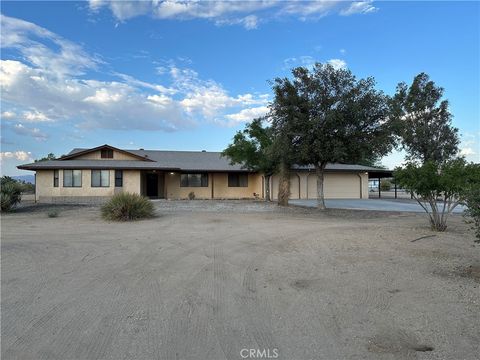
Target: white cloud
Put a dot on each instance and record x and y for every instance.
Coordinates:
(42, 90)
(17, 155)
(337, 63)
(359, 7)
(246, 115)
(7, 115)
(343, 51)
(35, 116)
(36, 133)
(245, 13)
(306, 61)
(467, 151)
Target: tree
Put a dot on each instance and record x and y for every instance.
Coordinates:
(252, 149)
(50, 156)
(10, 193)
(472, 199)
(438, 188)
(337, 118)
(286, 112)
(424, 121)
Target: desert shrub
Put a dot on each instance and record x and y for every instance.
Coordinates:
(385, 185)
(439, 188)
(53, 213)
(127, 206)
(10, 193)
(191, 195)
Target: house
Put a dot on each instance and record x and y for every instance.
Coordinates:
(86, 175)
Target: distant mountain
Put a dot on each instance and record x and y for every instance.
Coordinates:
(27, 178)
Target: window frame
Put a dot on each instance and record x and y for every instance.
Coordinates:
(235, 183)
(101, 178)
(120, 178)
(107, 153)
(203, 179)
(73, 178)
(56, 178)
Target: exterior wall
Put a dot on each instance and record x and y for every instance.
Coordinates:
(219, 183)
(97, 155)
(340, 185)
(222, 191)
(46, 192)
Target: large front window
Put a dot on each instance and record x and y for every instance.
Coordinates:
(72, 178)
(100, 178)
(237, 180)
(194, 180)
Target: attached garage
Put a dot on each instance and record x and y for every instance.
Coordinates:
(342, 181)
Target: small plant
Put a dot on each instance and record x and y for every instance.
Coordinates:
(385, 185)
(127, 206)
(53, 213)
(10, 193)
(191, 195)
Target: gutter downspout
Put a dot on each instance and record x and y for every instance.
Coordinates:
(361, 185)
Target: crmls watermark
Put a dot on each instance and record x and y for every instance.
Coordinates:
(259, 353)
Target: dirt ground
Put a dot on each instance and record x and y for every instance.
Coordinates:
(209, 280)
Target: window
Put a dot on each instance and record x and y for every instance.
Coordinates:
(107, 154)
(237, 180)
(55, 178)
(194, 180)
(100, 178)
(118, 178)
(72, 178)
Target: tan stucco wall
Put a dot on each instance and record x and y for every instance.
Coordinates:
(337, 185)
(45, 189)
(97, 155)
(219, 182)
(222, 191)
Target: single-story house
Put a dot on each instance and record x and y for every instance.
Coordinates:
(86, 175)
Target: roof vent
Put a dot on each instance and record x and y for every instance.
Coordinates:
(204, 150)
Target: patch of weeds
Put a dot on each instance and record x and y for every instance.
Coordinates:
(53, 213)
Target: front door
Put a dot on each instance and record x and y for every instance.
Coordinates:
(152, 184)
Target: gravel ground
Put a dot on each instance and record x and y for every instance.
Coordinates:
(206, 279)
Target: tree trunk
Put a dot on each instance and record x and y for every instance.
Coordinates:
(284, 185)
(319, 169)
(267, 187)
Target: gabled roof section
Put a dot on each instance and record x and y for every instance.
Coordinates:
(77, 152)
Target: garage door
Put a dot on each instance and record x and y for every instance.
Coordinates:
(336, 186)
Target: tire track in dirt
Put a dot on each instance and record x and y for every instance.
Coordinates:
(108, 284)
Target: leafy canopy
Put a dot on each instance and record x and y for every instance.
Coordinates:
(424, 121)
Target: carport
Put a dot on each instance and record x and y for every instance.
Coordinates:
(378, 175)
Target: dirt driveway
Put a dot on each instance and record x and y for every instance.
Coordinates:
(200, 284)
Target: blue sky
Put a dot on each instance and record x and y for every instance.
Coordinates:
(186, 76)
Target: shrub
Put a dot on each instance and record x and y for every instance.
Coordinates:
(52, 213)
(439, 188)
(385, 185)
(126, 206)
(191, 195)
(10, 193)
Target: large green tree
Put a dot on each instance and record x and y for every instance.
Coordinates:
(287, 111)
(252, 148)
(424, 121)
(335, 118)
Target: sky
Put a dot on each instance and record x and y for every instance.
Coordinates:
(175, 75)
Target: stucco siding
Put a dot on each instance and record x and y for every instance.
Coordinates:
(303, 185)
(45, 191)
(223, 191)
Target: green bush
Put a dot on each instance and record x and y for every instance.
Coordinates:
(191, 195)
(385, 185)
(10, 193)
(126, 206)
(53, 213)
